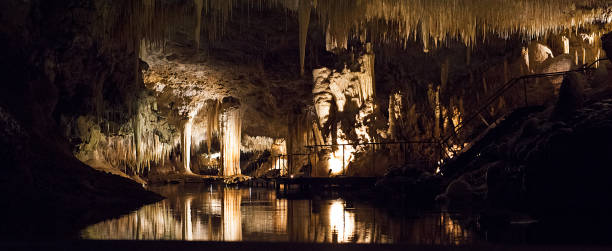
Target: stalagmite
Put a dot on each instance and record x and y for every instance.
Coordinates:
(576, 57)
(231, 131)
(298, 127)
(433, 95)
(597, 58)
(444, 73)
(186, 143)
(395, 114)
(304, 19)
(566, 45)
(525, 56)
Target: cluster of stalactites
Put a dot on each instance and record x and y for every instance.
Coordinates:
(121, 152)
(256, 144)
(231, 132)
(435, 22)
(145, 147)
(213, 111)
(154, 21)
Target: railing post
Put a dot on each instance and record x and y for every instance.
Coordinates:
(343, 167)
(373, 158)
(315, 161)
(404, 149)
(525, 92)
(440, 153)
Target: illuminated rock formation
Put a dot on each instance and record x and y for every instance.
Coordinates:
(230, 125)
(186, 127)
(538, 53)
(566, 45)
(342, 87)
(335, 91)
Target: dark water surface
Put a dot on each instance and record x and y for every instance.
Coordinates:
(218, 213)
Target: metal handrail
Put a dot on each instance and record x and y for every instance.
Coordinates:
(501, 91)
(444, 141)
(375, 143)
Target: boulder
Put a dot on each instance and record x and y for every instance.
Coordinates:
(571, 96)
(606, 43)
(558, 64)
(538, 53)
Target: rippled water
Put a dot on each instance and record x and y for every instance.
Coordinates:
(219, 213)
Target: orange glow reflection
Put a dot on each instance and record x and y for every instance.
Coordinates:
(205, 213)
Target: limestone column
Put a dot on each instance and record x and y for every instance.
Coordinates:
(186, 126)
(231, 132)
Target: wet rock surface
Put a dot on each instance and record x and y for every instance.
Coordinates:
(546, 167)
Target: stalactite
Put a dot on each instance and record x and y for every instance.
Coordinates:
(199, 4)
(231, 132)
(256, 144)
(304, 22)
(367, 78)
(439, 21)
(212, 125)
(384, 21)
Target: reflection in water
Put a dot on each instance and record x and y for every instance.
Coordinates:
(342, 223)
(232, 226)
(206, 213)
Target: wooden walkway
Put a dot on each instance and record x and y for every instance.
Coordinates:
(284, 185)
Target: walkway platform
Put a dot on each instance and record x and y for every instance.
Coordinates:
(284, 185)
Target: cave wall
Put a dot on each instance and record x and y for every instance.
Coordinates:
(55, 70)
